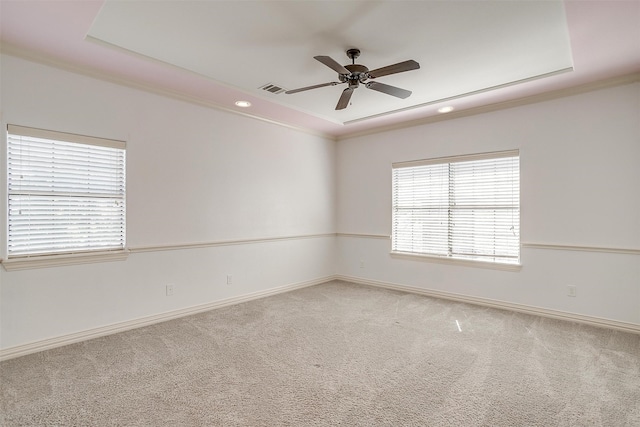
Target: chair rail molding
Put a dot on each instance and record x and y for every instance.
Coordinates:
(564, 247)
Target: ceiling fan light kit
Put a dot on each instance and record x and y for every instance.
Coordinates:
(353, 74)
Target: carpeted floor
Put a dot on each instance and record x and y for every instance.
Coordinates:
(335, 354)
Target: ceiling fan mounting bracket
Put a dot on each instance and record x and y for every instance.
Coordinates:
(353, 54)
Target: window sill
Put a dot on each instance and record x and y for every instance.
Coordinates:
(457, 261)
(44, 261)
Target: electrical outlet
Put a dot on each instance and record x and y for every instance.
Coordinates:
(572, 291)
(229, 279)
(361, 263)
(170, 289)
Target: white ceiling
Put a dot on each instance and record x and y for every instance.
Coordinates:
(462, 47)
(471, 53)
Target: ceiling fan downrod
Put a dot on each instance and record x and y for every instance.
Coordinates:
(357, 73)
(353, 54)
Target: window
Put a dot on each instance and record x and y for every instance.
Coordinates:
(461, 207)
(66, 193)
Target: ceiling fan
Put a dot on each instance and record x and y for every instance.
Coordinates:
(353, 74)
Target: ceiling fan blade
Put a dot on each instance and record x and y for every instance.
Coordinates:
(331, 63)
(400, 67)
(344, 99)
(302, 89)
(389, 90)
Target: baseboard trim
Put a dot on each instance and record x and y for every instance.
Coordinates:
(504, 305)
(47, 344)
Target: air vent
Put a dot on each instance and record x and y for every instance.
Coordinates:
(270, 87)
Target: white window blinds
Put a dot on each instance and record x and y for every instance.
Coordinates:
(66, 193)
(465, 208)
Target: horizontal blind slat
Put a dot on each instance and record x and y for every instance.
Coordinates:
(463, 209)
(64, 196)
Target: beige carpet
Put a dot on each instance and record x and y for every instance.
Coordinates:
(335, 354)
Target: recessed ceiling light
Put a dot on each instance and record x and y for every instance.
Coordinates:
(446, 109)
(243, 104)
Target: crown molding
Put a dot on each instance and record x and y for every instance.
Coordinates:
(43, 59)
(467, 94)
(503, 105)
(38, 57)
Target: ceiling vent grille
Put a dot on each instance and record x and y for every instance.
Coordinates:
(273, 88)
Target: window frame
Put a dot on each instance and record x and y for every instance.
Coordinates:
(449, 259)
(75, 255)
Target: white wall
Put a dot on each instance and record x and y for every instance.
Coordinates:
(194, 175)
(198, 175)
(580, 186)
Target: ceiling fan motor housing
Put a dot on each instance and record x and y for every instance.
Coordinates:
(358, 74)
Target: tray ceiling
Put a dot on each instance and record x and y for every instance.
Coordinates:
(462, 47)
(474, 55)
